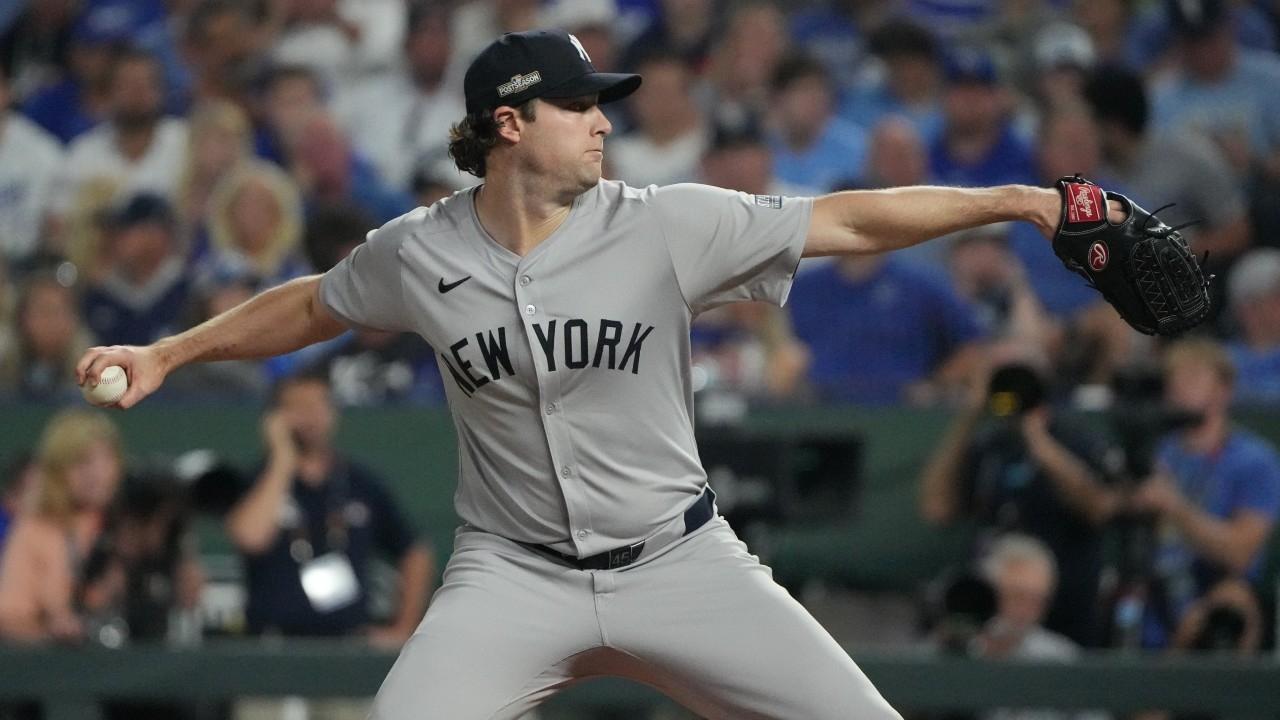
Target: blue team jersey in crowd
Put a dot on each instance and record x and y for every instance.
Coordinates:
(872, 338)
(1257, 374)
(1008, 162)
(835, 159)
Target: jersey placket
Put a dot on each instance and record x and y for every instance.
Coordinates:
(530, 304)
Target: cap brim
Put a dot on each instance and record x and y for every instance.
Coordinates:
(609, 86)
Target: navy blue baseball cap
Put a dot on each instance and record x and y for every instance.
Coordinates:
(970, 65)
(519, 67)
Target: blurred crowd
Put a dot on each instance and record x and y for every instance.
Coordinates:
(163, 160)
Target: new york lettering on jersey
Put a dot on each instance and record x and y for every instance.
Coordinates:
(574, 344)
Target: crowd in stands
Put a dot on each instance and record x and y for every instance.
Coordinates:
(164, 160)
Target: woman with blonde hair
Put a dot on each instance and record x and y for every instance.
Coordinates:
(80, 464)
(255, 226)
(38, 357)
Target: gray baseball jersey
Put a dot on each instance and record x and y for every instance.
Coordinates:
(567, 370)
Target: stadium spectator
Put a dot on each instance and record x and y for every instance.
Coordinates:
(1068, 145)
(314, 34)
(49, 337)
(880, 331)
(977, 145)
(1008, 461)
(592, 22)
(670, 134)
(29, 162)
(1254, 291)
(743, 63)
(34, 46)
(137, 149)
(812, 148)
(221, 47)
(371, 368)
(747, 349)
(17, 482)
(1215, 493)
(43, 593)
(312, 511)
(255, 227)
(234, 381)
(986, 273)
(327, 170)
(1120, 31)
(739, 159)
(77, 96)
(290, 95)
(427, 188)
(833, 32)
(907, 80)
(1062, 58)
(897, 156)
(220, 144)
(686, 27)
(1024, 574)
(1220, 89)
(477, 22)
(142, 296)
(400, 121)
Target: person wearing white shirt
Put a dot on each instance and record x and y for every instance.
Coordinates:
(29, 159)
(671, 135)
(136, 149)
(401, 121)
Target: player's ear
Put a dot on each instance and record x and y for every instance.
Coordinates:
(509, 123)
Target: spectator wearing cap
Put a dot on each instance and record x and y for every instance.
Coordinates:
(1254, 291)
(400, 120)
(739, 159)
(1124, 33)
(38, 363)
(1221, 89)
(812, 148)
(833, 32)
(686, 27)
(1063, 56)
(73, 104)
(142, 295)
(1173, 166)
(670, 132)
(978, 146)
(907, 81)
(137, 149)
(881, 332)
(29, 162)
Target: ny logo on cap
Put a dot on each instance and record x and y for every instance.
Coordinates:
(578, 44)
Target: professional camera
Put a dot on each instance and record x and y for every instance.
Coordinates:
(1014, 389)
(960, 604)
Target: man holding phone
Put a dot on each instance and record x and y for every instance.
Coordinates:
(310, 528)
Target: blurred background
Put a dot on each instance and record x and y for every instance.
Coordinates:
(953, 455)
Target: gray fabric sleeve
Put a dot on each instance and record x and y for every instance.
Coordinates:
(365, 288)
(727, 246)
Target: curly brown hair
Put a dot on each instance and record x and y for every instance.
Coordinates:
(471, 139)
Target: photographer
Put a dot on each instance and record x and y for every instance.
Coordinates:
(1008, 462)
(1214, 494)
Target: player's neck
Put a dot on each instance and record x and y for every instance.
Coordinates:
(517, 216)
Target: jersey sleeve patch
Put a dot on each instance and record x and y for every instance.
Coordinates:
(773, 202)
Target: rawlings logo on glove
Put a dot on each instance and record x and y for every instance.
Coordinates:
(1143, 267)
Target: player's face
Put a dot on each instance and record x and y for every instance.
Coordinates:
(565, 143)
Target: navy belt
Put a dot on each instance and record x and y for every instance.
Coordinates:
(702, 510)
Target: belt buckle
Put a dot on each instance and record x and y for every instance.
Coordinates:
(621, 557)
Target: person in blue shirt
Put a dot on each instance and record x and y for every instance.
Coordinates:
(812, 148)
(71, 106)
(1215, 493)
(978, 145)
(880, 332)
(909, 85)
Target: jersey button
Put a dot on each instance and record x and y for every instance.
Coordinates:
(582, 534)
(551, 408)
(525, 279)
(529, 310)
(565, 471)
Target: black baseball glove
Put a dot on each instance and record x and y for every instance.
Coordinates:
(1143, 267)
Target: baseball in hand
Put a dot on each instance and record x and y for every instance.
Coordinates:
(110, 388)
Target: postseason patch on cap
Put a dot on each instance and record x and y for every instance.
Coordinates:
(519, 83)
(773, 202)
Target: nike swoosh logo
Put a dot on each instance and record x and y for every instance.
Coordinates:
(443, 288)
